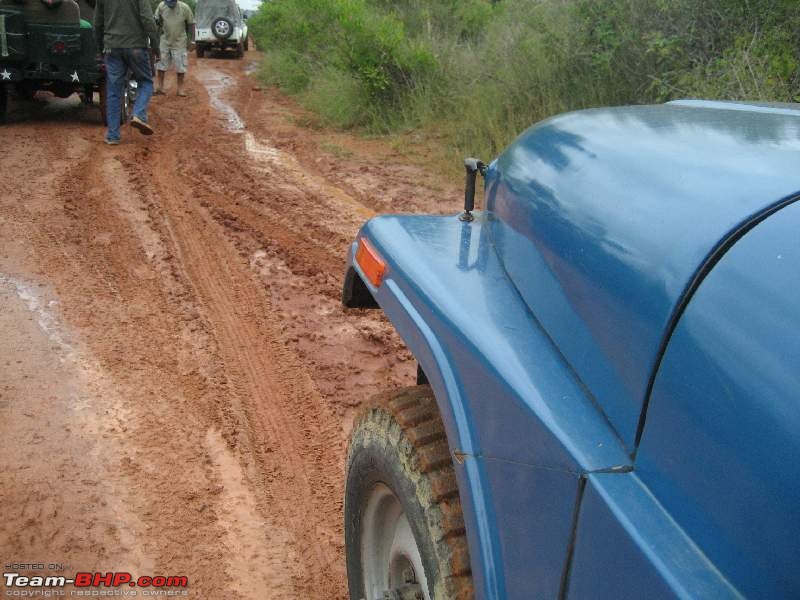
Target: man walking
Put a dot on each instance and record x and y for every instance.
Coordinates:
(176, 21)
(124, 29)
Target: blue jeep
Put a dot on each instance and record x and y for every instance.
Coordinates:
(608, 398)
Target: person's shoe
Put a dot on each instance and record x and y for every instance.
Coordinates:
(159, 92)
(112, 141)
(141, 125)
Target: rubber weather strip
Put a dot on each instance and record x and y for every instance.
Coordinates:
(711, 260)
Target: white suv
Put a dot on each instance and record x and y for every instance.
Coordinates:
(220, 25)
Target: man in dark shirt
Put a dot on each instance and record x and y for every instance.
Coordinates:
(124, 30)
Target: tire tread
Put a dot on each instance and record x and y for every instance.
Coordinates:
(415, 412)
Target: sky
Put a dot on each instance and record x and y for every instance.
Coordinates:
(248, 4)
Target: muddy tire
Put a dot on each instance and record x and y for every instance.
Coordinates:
(400, 481)
(87, 95)
(240, 50)
(102, 93)
(125, 107)
(247, 43)
(26, 90)
(3, 102)
(200, 51)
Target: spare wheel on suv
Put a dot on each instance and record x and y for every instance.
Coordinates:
(222, 28)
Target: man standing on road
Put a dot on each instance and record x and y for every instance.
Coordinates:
(176, 21)
(124, 29)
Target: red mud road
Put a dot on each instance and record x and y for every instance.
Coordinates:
(177, 377)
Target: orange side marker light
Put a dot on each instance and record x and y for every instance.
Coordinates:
(371, 263)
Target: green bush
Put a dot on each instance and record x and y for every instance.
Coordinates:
(287, 69)
(481, 70)
(337, 97)
(340, 40)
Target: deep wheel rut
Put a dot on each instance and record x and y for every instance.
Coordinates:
(179, 378)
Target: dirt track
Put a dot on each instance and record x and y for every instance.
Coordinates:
(178, 378)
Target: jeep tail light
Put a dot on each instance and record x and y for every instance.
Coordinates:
(58, 48)
(371, 263)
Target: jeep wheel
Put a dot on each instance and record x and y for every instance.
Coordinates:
(200, 51)
(87, 95)
(222, 28)
(240, 50)
(247, 43)
(26, 90)
(102, 93)
(404, 531)
(125, 103)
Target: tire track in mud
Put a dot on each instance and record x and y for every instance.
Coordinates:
(64, 404)
(95, 198)
(168, 400)
(292, 436)
(224, 222)
(83, 245)
(200, 269)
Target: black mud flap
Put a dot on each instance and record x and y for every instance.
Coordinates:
(355, 293)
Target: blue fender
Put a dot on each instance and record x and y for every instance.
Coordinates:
(542, 324)
(528, 425)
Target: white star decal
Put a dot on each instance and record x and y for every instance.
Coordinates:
(75, 76)
(6, 75)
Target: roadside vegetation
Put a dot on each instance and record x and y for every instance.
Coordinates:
(478, 72)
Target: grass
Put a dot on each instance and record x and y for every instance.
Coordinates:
(469, 75)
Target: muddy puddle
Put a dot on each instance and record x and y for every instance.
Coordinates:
(216, 85)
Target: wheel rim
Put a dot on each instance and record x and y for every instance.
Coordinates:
(221, 27)
(389, 553)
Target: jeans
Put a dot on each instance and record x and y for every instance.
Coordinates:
(118, 62)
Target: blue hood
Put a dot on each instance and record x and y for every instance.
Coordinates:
(605, 218)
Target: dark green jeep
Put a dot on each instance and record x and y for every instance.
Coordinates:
(49, 45)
